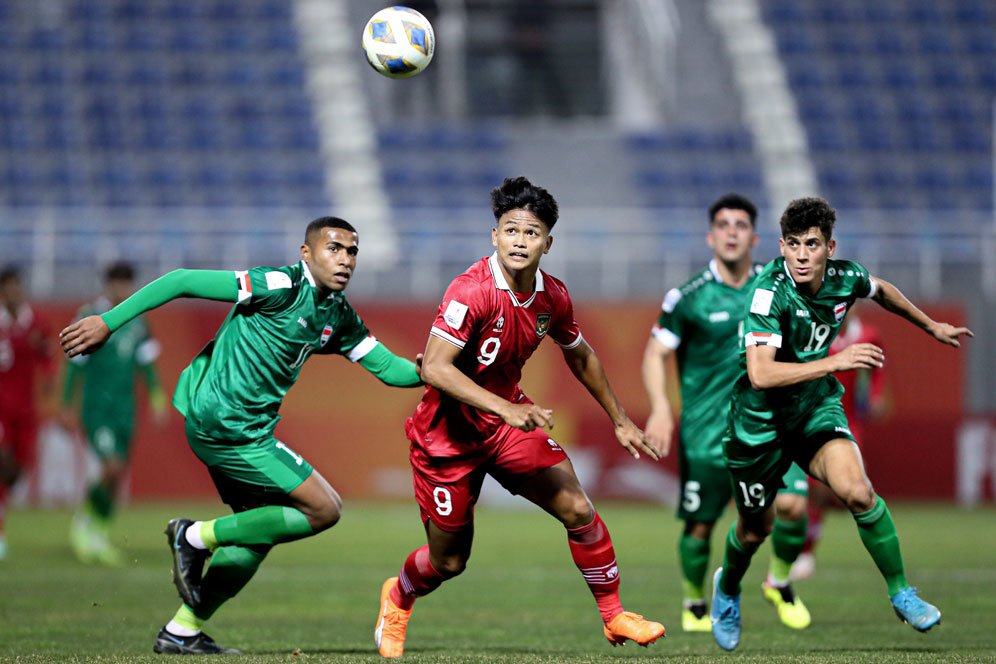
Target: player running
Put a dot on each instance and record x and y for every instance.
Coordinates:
(25, 356)
(699, 322)
(107, 413)
(474, 420)
(786, 406)
(230, 395)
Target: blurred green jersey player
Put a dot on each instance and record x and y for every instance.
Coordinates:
(786, 406)
(106, 411)
(699, 323)
(230, 395)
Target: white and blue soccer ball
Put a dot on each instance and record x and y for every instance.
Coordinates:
(399, 42)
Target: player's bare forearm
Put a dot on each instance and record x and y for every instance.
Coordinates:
(654, 373)
(891, 299)
(587, 368)
(766, 373)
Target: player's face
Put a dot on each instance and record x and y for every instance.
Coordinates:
(12, 293)
(118, 290)
(731, 236)
(521, 239)
(331, 257)
(806, 256)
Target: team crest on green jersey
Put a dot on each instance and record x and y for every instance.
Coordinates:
(839, 311)
(326, 335)
(542, 324)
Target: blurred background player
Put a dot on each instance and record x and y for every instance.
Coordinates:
(26, 353)
(230, 396)
(474, 420)
(107, 412)
(864, 400)
(699, 322)
(786, 406)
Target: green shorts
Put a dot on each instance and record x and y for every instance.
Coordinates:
(760, 469)
(252, 474)
(109, 439)
(706, 488)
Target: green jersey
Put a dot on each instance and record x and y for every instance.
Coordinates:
(700, 321)
(109, 373)
(233, 389)
(801, 326)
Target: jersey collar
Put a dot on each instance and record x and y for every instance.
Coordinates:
(714, 268)
(311, 280)
(502, 284)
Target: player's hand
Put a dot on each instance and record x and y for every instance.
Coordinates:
(660, 428)
(84, 336)
(631, 438)
(418, 364)
(860, 356)
(948, 334)
(527, 416)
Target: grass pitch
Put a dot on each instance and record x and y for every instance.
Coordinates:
(521, 599)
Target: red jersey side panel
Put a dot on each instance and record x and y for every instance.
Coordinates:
(497, 330)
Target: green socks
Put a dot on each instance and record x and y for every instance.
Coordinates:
(787, 540)
(263, 526)
(878, 534)
(101, 502)
(694, 556)
(229, 571)
(736, 560)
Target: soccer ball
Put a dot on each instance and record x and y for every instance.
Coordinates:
(399, 42)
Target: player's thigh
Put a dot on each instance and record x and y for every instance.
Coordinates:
(756, 471)
(20, 437)
(446, 490)
(261, 472)
(705, 490)
(109, 439)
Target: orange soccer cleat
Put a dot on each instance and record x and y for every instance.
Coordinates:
(634, 627)
(391, 623)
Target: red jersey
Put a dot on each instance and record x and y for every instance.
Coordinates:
(862, 387)
(25, 348)
(497, 330)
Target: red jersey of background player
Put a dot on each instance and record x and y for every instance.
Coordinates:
(24, 350)
(863, 388)
(498, 331)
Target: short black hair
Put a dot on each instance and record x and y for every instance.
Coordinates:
(805, 213)
(734, 201)
(326, 222)
(520, 194)
(120, 271)
(10, 273)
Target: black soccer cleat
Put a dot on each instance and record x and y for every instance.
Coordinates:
(188, 562)
(199, 644)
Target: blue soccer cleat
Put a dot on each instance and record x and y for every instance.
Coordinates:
(725, 615)
(920, 615)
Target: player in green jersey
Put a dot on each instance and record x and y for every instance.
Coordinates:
(230, 395)
(107, 412)
(699, 323)
(786, 406)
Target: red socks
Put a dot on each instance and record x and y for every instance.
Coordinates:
(591, 548)
(418, 577)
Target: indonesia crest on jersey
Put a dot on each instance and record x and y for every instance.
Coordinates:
(497, 330)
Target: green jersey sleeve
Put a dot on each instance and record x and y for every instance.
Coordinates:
(671, 322)
(266, 289)
(863, 285)
(207, 284)
(763, 320)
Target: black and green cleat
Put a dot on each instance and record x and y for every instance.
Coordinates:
(188, 562)
(199, 644)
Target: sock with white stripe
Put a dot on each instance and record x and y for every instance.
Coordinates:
(417, 578)
(591, 548)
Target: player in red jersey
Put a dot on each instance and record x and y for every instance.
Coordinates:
(25, 352)
(864, 399)
(474, 420)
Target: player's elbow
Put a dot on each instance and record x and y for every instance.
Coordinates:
(759, 379)
(432, 374)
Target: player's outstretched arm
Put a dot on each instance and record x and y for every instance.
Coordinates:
(88, 334)
(765, 372)
(587, 368)
(660, 424)
(892, 299)
(391, 369)
(440, 371)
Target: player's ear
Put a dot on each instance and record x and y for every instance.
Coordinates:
(831, 247)
(305, 252)
(494, 236)
(709, 240)
(754, 239)
(549, 243)
(781, 246)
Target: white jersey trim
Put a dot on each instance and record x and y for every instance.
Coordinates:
(360, 350)
(244, 284)
(666, 337)
(763, 339)
(502, 284)
(573, 344)
(446, 336)
(873, 288)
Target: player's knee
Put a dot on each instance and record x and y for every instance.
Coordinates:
(450, 566)
(790, 507)
(325, 514)
(577, 511)
(858, 496)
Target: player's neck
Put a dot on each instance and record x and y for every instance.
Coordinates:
(734, 274)
(520, 281)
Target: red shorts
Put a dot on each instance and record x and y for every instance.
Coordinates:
(18, 433)
(446, 488)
